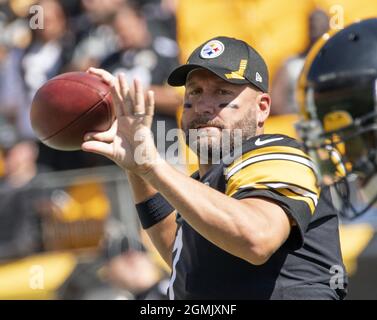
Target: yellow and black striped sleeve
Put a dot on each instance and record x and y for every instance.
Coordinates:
(281, 173)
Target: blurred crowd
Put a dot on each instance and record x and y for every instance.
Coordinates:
(134, 37)
(41, 39)
(144, 39)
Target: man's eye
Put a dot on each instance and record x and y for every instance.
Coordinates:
(223, 92)
(194, 92)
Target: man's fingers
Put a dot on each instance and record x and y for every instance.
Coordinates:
(109, 79)
(149, 109)
(105, 136)
(139, 106)
(106, 76)
(125, 94)
(117, 99)
(102, 148)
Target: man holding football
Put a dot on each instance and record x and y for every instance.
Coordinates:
(250, 226)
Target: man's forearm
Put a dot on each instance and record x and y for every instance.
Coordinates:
(162, 234)
(141, 190)
(230, 224)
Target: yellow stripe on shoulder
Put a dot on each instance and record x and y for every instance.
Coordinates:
(270, 172)
(288, 193)
(270, 153)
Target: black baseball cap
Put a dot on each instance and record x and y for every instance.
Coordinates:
(231, 59)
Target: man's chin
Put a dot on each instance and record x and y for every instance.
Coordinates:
(208, 153)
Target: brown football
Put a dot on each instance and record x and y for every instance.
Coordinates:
(69, 105)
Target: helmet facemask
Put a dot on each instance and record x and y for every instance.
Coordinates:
(341, 137)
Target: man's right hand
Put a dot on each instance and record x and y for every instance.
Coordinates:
(129, 142)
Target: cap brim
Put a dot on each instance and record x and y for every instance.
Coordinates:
(179, 75)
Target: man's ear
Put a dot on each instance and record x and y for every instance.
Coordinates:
(263, 103)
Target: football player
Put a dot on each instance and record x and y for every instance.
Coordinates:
(251, 223)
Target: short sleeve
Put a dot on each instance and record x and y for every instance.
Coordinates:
(282, 174)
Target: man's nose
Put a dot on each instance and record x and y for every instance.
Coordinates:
(205, 105)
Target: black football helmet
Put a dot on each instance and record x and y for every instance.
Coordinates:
(337, 94)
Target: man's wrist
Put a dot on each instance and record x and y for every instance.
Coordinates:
(153, 210)
(154, 170)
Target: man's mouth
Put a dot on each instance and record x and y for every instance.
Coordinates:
(208, 130)
(202, 126)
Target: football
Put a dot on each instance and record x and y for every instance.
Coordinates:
(69, 105)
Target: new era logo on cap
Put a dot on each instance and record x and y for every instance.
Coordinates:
(231, 59)
(258, 77)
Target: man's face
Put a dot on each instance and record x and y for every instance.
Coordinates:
(212, 105)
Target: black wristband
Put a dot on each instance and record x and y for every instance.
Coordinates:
(153, 210)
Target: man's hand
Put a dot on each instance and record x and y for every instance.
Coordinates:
(129, 141)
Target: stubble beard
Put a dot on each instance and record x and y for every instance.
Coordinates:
(211, 149)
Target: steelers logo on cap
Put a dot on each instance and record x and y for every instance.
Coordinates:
(212, 49)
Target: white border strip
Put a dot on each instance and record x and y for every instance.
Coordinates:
(279, 185)
(178, 245)
(272, 156)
